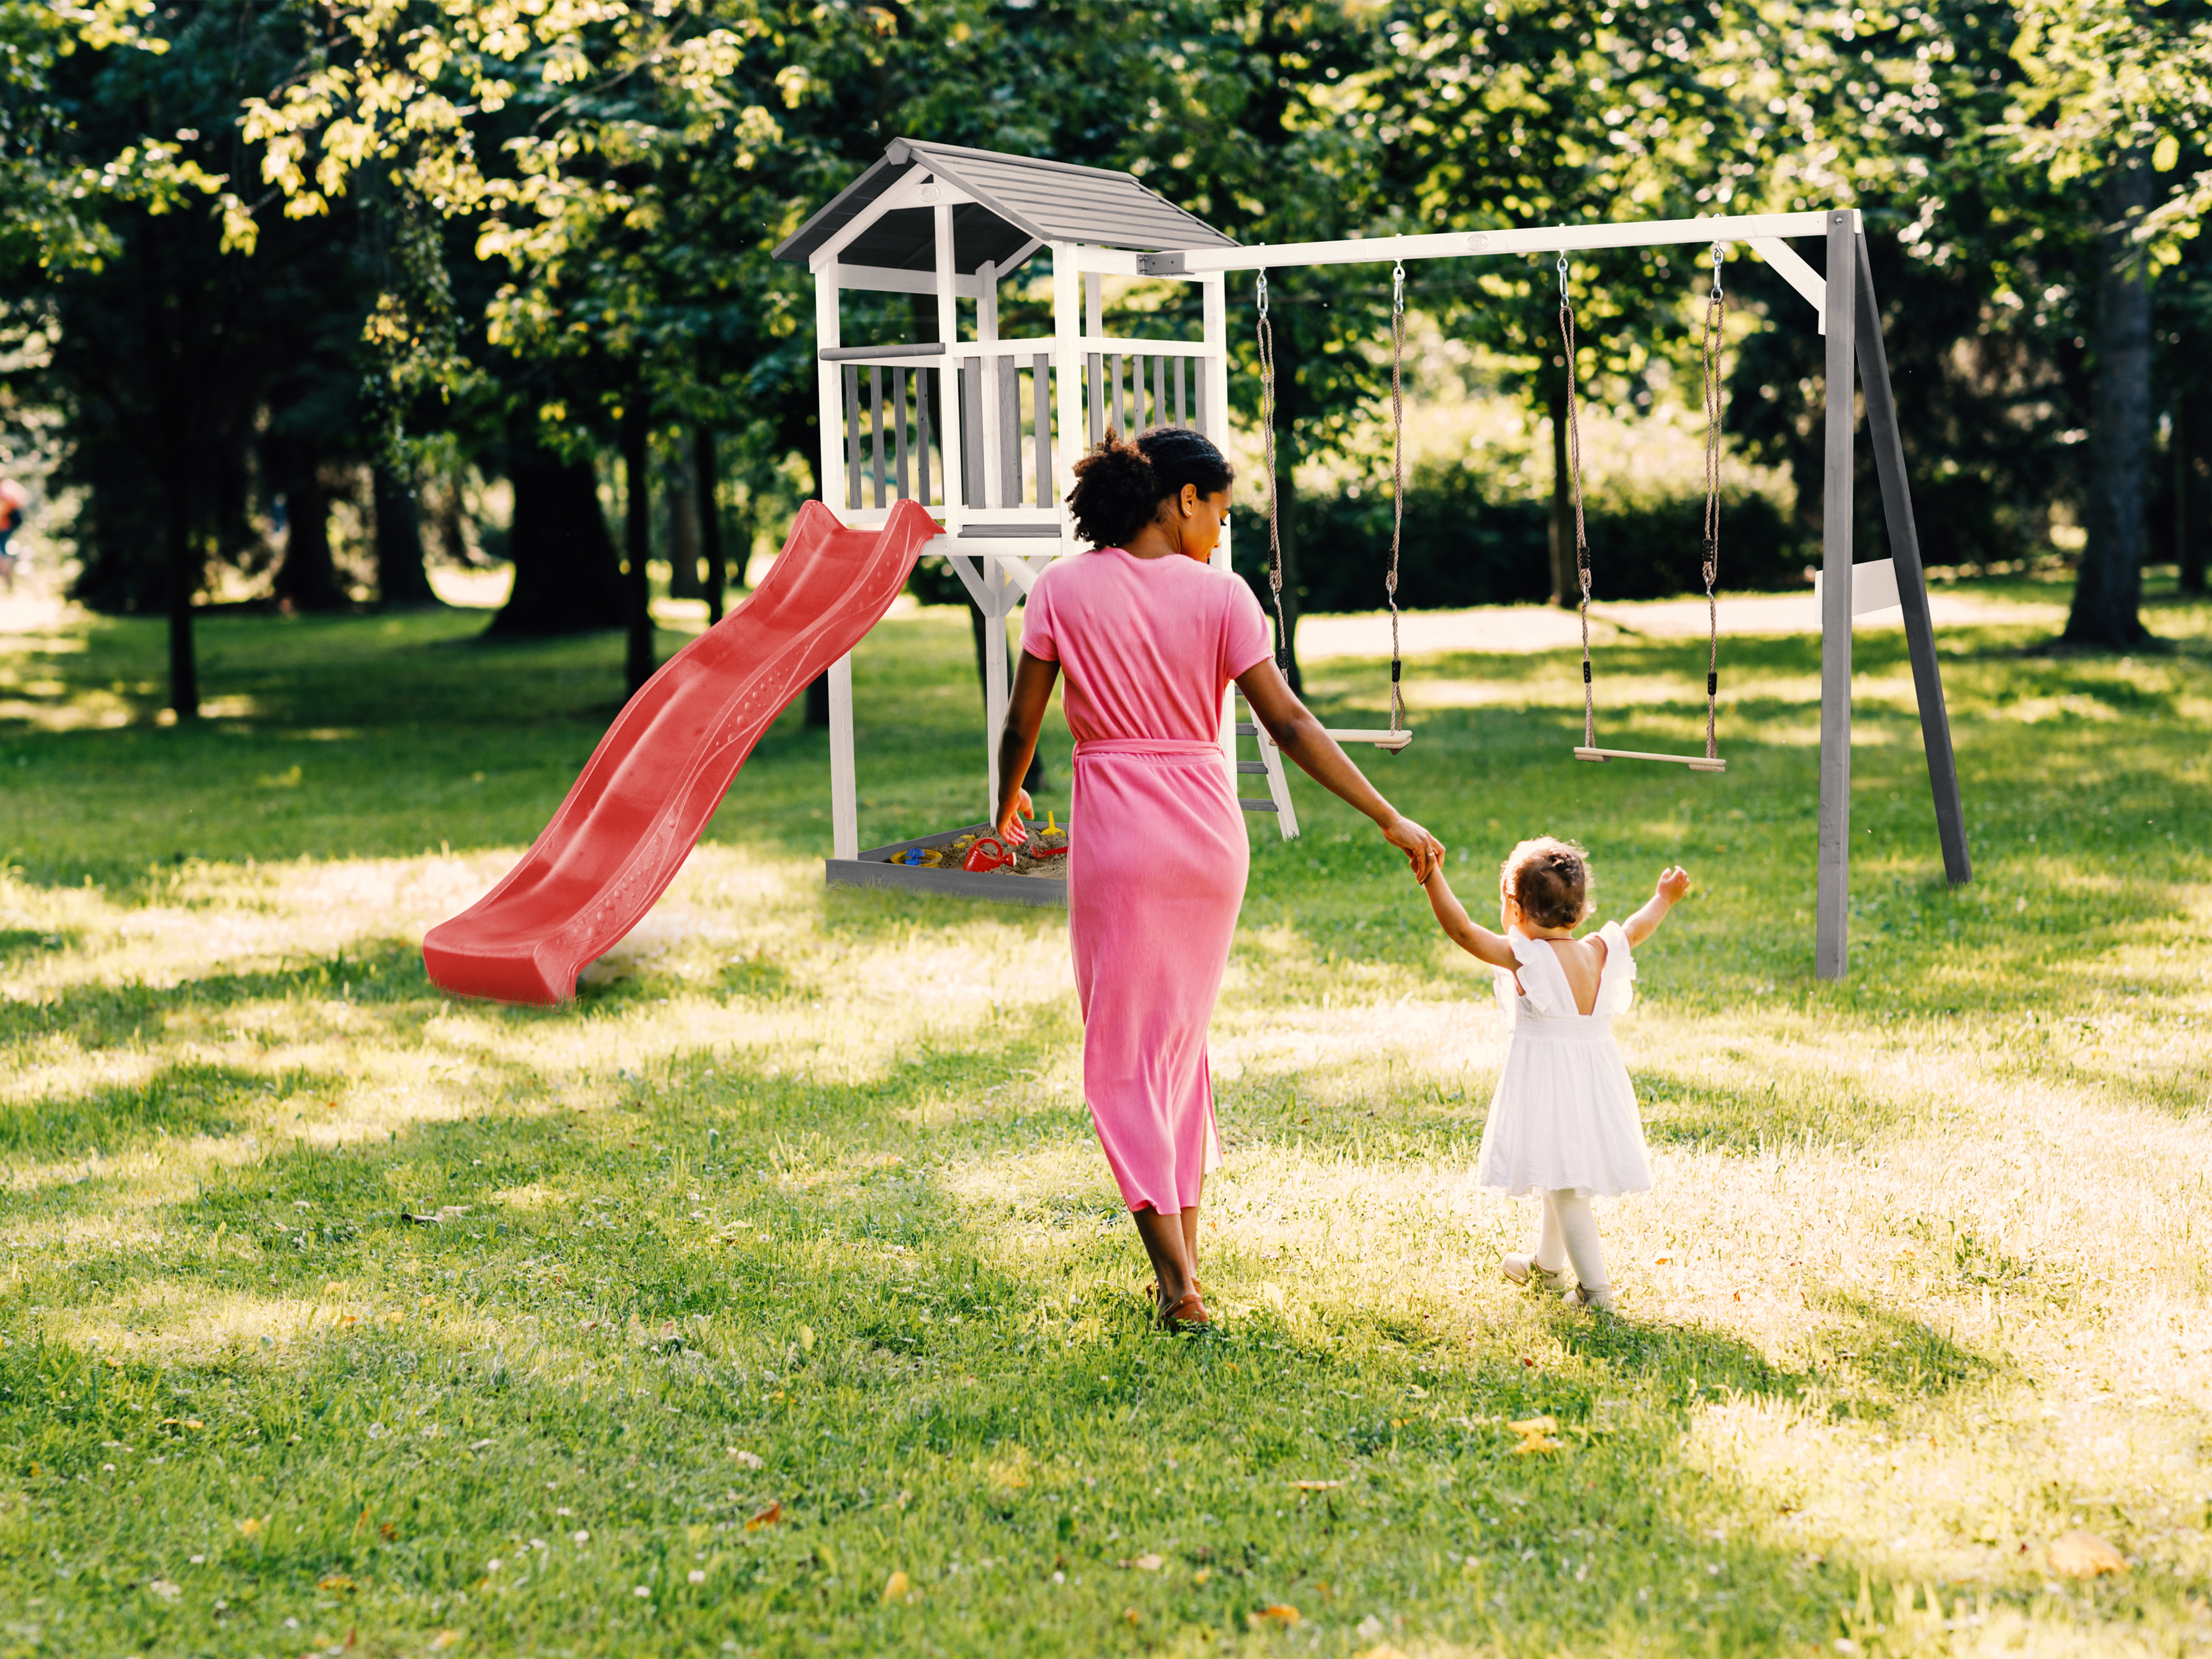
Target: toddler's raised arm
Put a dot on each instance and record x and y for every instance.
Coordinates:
(1674, 882)
(1470, 935)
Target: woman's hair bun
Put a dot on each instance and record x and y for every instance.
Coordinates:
(1120, 483)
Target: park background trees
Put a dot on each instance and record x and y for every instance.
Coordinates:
(269, 260)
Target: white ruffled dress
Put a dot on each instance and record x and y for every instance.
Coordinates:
(1565, 1113)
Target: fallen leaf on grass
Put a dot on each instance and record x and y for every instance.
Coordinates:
(1280, 1613)
(337, 1581)
(766, 1517)
(897, 1586)
(252, 1525)
(1315, 1485)
(1143, 1562)
(168, 1589)
(750, 1460)
(444, 1639)
(2084, 1555)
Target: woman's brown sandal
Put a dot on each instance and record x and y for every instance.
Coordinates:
(1187, 1314)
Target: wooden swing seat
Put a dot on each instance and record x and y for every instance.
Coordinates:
(1695, 762)
(1393, 741)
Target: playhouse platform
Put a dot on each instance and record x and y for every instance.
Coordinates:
(874, 868)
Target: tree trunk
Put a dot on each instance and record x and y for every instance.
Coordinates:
(1566, 583)
(2108, 592)
(185, 573)
(706, 474)
(683, 497)
(1286, 500)
(637, 540)
(567, 579)
(308, 579)
(2188, 445)
(401, 580)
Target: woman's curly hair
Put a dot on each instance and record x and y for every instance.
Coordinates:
(1120, 483)
(1549, 879)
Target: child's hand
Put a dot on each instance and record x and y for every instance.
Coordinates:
(1673, 882)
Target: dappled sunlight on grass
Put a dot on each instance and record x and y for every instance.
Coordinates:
(795, 1212)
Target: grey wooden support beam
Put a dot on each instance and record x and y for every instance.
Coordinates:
(1912, 581)
(1831, 931)
(851, 436)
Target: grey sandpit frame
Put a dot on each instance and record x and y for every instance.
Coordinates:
(874, 868)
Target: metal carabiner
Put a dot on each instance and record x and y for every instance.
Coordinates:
(1562, 271)
(1263, 293)
(1398, 290)
(1717, 267)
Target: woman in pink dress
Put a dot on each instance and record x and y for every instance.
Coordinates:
(1150, 635)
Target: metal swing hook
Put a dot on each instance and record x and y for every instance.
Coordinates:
(1397, 291)
(1263, 293)
(1563, 271)
(1717, 258)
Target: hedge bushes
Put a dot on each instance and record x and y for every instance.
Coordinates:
(1462, 547)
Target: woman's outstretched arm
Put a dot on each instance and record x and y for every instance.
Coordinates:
(1299, 735)
(1034, 679)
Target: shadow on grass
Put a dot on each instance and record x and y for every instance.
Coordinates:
(1745, 1121)
(191, 1098)
(102, 1016)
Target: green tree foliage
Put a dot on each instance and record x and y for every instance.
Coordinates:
(498, 232)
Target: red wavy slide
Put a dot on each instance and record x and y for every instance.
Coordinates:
(632, 817)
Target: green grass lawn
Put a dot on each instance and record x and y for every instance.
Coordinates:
(774, 1298)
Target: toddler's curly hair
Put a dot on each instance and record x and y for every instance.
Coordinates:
(1550, 879)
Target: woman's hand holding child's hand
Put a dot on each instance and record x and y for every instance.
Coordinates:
(1422, 851)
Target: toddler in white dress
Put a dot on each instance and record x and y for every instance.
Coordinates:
(1564, 1123)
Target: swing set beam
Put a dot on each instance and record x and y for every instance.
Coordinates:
(1844, 300)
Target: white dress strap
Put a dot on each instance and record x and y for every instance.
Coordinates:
(1543, 980)
(1616, 985)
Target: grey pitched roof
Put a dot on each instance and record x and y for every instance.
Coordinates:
(1018, 199)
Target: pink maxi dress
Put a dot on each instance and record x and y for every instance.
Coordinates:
(1157, 857)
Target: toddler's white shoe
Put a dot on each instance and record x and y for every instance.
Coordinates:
(1583, 1297)
(1523, 1268)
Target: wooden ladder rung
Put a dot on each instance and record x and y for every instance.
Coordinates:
(1695, 762)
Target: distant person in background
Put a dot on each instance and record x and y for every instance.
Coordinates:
(15, 501)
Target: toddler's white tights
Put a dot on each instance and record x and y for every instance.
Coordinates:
(1570, 1235)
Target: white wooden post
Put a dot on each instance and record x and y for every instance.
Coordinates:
(1214, 306)
(830, 390)
(948, 402)
(1067, 378)
(1002, 592)
(844, 794)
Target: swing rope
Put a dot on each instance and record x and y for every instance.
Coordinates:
(1575, 481)
(1710, 351)
(1715, 316)
(1397, 479)
(1266, 339)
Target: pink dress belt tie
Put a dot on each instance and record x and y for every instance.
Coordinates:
(1164, 747)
